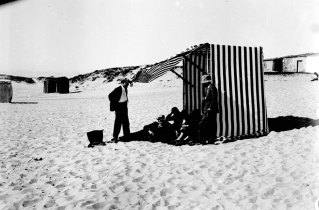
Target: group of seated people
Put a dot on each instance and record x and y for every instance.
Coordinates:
(177, 128)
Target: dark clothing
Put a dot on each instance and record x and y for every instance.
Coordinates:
(210, 101)
(154, 132)
(164, 133)
(121, 119)
(121, 112)
(177, 120)
(141, 135)
(115, 96)
(189, 128)
(207, 125)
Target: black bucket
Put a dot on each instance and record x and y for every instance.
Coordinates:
(96, 137)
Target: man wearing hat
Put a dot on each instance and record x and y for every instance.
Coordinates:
(207, 125)
(118, 103)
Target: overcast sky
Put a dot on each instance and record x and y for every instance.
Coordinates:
(70, 37)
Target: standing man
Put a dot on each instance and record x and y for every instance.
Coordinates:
(118, 103)
(207, 125)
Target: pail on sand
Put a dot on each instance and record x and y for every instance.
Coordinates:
(95, 137)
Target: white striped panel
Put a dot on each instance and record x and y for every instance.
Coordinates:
(233, 93)
(241, 119)
(255, 101)
(263, 87)
(248, 79)
(215, 77)
(227, 95)
(222, 82)
(243, 76)
(258, 78)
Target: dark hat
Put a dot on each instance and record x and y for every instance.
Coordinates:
(206, 79)
(161, 117)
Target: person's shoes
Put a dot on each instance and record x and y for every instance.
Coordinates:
(114, 140)
(191, 143)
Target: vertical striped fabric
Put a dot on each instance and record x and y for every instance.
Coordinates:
(194, 65)
(238, 76)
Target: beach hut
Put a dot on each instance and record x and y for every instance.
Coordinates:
(5, 91)
(56, 85)
(238, 75)
(302, 63)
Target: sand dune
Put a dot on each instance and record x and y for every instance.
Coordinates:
(45, 162)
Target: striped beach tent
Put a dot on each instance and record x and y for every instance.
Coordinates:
(237, 73)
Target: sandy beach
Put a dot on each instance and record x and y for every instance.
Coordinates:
(45, 162)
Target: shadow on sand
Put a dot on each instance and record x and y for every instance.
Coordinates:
(7, 1)
(24, 102)
(287, 123)
(278, 124)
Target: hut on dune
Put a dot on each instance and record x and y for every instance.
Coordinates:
(237, 73)
(56, 85)
(6, 92)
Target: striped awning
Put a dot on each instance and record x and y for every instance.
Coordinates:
(157, 70)
(149, 74)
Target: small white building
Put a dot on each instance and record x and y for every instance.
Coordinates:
(308, 63)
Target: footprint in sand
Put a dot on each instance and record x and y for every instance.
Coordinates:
(151, 190)
(29, 203)
(49, 204)
(139, 179)
(317, 204)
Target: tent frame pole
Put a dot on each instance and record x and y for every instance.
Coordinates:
(181, 77)
(194, 64)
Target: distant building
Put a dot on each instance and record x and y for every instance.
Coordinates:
(308, 62)
(56, 85)
(5, 91)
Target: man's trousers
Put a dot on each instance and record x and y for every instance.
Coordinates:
(121, 119)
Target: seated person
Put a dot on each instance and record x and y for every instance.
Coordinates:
(164, 131)
(161, 130)
(189, 129)
(176, 117)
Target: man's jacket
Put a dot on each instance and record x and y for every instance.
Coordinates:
(114, 97)
(210, 103)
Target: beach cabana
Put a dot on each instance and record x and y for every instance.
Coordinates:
(56, 85)
(5, 91)
(238, 75)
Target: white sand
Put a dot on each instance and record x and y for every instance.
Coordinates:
(45, 162)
